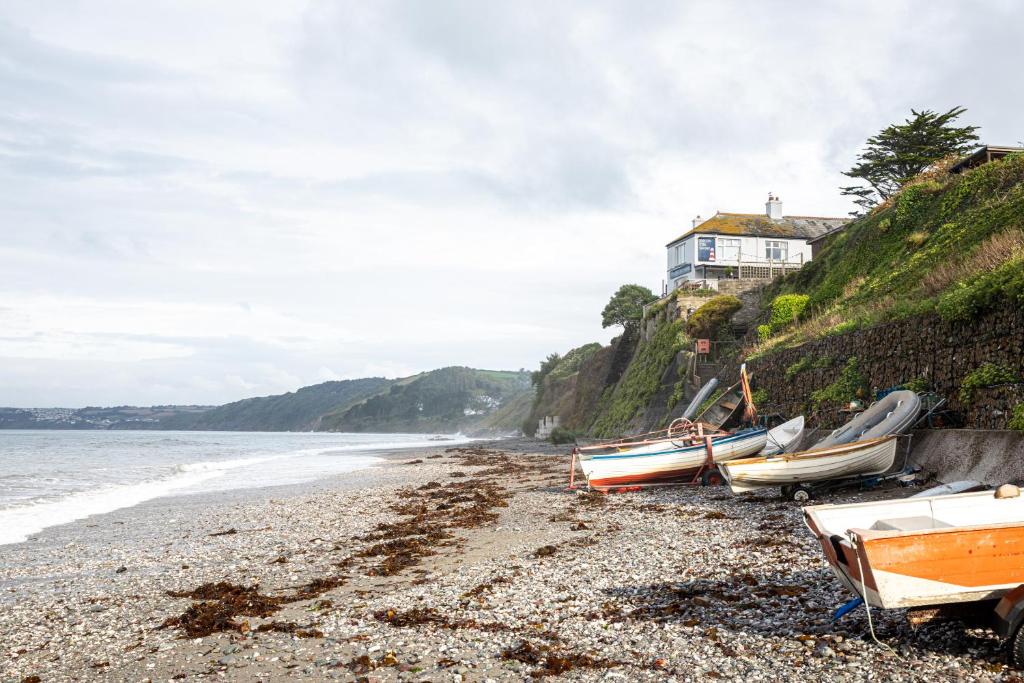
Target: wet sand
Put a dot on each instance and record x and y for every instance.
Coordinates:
(468, 564)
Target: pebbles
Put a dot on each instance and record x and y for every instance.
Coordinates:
(644, 586)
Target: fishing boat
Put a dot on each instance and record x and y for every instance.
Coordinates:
(668, 463)
(726, 409)
(785, 437)
(925, 551)
(872, 456)
(894, 413)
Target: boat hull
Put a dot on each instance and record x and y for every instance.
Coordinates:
(785, 437)
(936, 564)
(849, 460)
(667, 466)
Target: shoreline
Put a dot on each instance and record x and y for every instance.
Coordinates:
(504, 575)
(342, 478)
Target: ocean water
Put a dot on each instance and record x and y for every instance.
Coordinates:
(52, 477)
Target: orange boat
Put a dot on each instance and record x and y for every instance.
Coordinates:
(925, 551)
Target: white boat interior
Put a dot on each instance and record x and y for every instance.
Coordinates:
(964, 510)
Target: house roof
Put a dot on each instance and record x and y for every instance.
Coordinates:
(983, 155)
(759, 225)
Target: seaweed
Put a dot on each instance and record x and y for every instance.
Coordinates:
(292, 628)
(553, 661)
(230, 532)
(545, 551)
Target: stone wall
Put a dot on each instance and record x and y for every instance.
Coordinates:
(941, 352)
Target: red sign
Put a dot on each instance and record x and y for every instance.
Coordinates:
(703, 346)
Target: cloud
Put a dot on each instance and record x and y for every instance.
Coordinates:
(204, 202)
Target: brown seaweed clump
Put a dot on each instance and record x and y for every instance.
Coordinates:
(218, 605)
(292, 628)
(553, 661)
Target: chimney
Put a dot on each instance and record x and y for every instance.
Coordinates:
(697, 221)
(773, 207)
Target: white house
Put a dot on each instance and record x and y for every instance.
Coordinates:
(744, 245)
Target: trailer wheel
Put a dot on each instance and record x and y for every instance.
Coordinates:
(801, 494)
(1017, 649)
(712, 478)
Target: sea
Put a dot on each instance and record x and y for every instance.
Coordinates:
(52, 477)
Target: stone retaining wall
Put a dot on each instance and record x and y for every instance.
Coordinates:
(927, 347)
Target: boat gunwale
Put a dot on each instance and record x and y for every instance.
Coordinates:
(828, 451)
(869, 535)
(757, 432)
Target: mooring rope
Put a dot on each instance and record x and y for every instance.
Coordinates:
(867, 603)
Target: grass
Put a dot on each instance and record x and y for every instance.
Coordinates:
(947, 244)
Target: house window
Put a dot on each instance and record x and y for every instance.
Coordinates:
(728, 249)
(705, 248)
(776, 251)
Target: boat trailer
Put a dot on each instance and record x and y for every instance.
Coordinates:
(1006, 618)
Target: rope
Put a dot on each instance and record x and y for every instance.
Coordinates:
(867, 603)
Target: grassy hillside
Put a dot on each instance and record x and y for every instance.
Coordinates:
(295, 411)
(446, 400)
(951, 244)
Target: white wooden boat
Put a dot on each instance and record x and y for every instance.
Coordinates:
(668, 463)
(925, 551)
(784, 437)
(873, 456)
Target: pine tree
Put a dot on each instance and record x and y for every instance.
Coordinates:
(901, 151)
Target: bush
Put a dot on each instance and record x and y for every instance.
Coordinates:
(969, 297)
(987, 375)
(1017, 419)
(707, 320)
(917, 385)
(849, 385)
(760, 396)
(561, 435)
(786, 308)
(917, 238)
(764, 332)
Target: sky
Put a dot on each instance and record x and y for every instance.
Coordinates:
(204, 201)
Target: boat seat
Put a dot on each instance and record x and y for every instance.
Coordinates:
(918, 523)
(729, 405)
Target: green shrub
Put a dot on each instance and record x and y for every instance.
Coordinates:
(764, 332)
(561, 435)
(786, 308)
(982, 291)
(849, 385)
(677, 394)
(808, 363)
(796, 368)
(760, 396)
(917, 385)
(707, 320)
(987, 375)
(572, 361)
(1017, 419)
(917, 238)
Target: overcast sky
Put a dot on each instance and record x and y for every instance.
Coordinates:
(204, 201)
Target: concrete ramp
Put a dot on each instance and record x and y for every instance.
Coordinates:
(991, 456)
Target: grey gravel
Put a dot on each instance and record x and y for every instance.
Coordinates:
(651, 586)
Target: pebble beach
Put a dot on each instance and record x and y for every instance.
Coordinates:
(468, 563)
